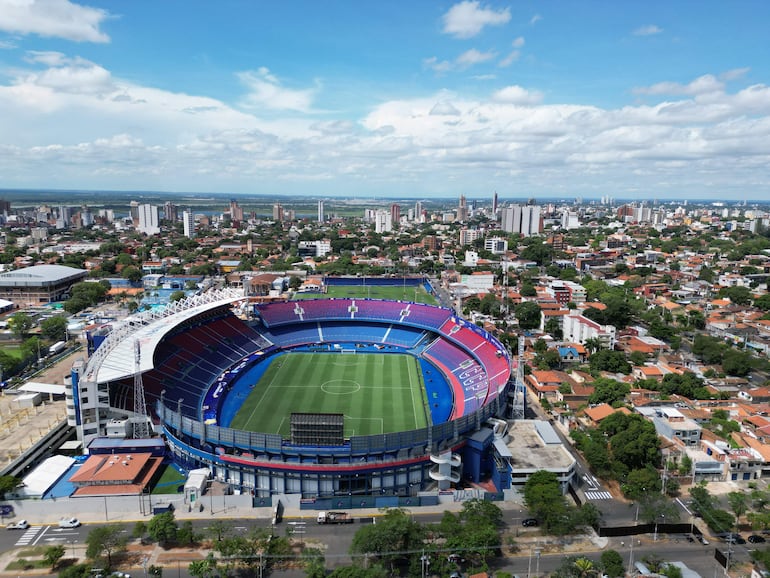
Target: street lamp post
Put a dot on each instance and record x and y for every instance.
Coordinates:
(424, 563)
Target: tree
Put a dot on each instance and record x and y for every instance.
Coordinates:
(612, 563)
(654, 507)
(54, 328)
(8, 484)
(545, 501)
(612, 361)
(738, 295)
(131, 273)
(637, 358)
(528, 315)
(738, 502)
(20, 324)
(394, 534)
(609, 391)
(640, 482)
(105, 540)
(163, 528)
(53, 554)
(176, 296)
(737, 363)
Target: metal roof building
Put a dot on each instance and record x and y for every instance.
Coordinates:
(39, 284)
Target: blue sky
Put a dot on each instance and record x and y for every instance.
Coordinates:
(653, 99)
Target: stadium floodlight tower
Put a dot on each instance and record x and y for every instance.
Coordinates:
(141, 419)
(519, 392)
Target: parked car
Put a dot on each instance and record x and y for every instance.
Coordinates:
(69, 523)
(733, 538)
(756, 539)
(529, 522)
(455, 559)
(20, 525)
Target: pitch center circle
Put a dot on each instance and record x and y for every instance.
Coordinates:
(340, 386)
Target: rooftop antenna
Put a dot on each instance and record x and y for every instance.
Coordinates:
(519, 393)
(142, 423)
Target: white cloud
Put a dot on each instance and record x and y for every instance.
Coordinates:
(444, 108)
(514, 55)
(473, 56)
(266, 92)
(648, 30)
(468, 18)
(76, 120)
(734, 74)
(535, 19)
(701, 85)
(436, 65)
(7, 45)
(517, 95)
(53, 18)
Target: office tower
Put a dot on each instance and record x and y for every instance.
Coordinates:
(236, 211)
(170, 211)
(64, 218)
(320, 211)
(277, 212)
(382, 222)
(395, 213)
(133, 211)
(86, 217)
(462, 209)
(188, 223)
(525, 220)
(148, 219)
(494, 203)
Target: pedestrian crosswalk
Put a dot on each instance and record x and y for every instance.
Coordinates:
(598, 495)
(28, 535)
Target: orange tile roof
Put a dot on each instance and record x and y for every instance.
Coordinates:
(599, 412)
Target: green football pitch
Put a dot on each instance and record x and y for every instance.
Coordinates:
(393, 292)
(376, 393)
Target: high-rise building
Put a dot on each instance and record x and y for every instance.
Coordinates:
(188, 224)
(64, 218)
(86, 217)
(382, 222)
(418, 211)
(170, 212)
(468, 236)
(494, 203)
(133, 211)
(525, 220)
(321, 216)
(395, 213)
(148, 219)
(277, 212)
(462, 209)
(236, 211)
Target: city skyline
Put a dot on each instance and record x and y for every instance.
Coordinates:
(529, 99)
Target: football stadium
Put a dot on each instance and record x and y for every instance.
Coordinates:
(349, 398)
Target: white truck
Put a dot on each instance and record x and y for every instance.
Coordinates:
(57, 347)
(334, 518)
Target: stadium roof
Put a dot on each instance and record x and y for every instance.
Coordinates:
(119, 361)
(40, 276)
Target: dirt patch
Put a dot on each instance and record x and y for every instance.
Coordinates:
(183, 556)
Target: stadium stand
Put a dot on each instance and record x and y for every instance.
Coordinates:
(467, 377)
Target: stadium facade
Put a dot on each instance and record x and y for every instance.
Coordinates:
(191, 354)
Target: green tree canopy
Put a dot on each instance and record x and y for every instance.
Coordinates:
(528, 315)
(105, 541)
(54, 328)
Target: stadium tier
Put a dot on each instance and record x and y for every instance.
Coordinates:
(452, 377)
(463, 371)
